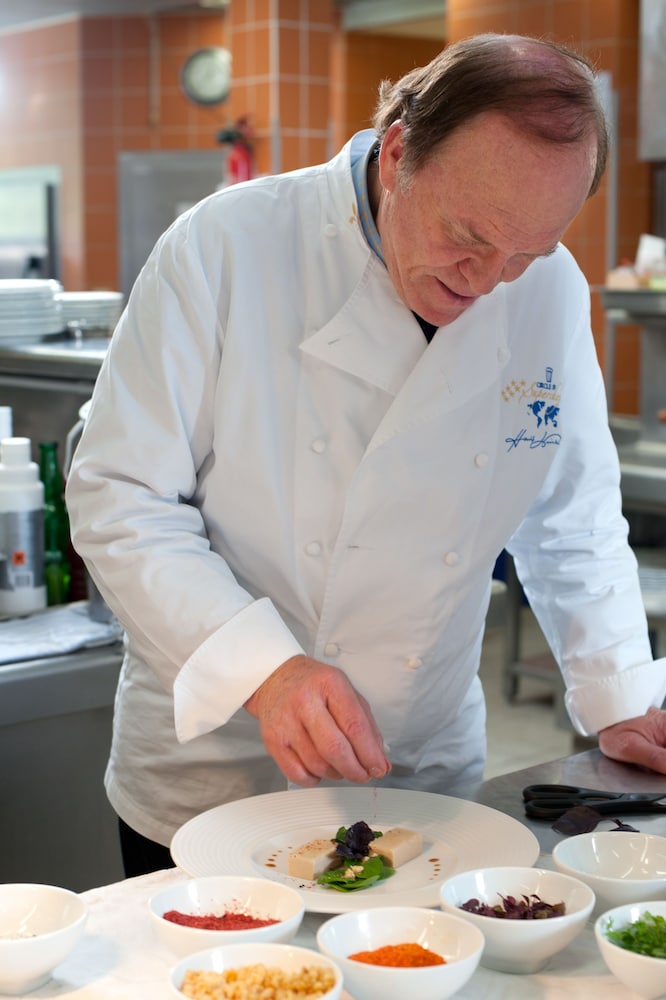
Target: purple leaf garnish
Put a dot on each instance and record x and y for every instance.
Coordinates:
(526, 908)
(584, 819)
(354, 841)
(580, 819)
(619, 825)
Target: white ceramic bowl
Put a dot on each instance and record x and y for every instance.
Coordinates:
(643, 974)
(287, 957)
(364, 930)
(619, 867)
(39, 926)
(221, 894)
(520, 946)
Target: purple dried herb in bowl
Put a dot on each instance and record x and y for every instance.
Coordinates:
(526, 908)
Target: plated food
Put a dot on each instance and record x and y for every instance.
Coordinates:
(357, 857)
(255, 836)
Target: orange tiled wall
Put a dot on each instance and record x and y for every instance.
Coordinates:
(131, 100)
(362, 62)
(78, 92)
(40, 119)
(606, 31)
(282, 77)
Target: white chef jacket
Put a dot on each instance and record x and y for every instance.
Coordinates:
(275, 461)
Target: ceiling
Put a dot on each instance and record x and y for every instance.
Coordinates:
(24, 13)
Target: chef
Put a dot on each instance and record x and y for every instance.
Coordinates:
(334, 398)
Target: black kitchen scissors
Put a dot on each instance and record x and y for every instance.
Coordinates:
(552, 801)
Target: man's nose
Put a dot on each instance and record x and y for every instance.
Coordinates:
(483, 271)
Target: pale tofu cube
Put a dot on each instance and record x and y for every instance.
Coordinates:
(398, 846)
(313, 858)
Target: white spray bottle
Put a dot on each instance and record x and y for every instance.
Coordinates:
(22, 585)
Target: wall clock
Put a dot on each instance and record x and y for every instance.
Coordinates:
(206, 75)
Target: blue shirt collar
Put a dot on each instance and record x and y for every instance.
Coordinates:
(363, 146)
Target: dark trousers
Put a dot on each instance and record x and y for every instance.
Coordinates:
(140, 855)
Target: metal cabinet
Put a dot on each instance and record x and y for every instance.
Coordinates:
(55, 733)
(56, 712)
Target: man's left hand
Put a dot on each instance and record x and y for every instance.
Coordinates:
(638, 741)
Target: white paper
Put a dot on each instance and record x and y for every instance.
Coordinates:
(651, 251)
(53, 632)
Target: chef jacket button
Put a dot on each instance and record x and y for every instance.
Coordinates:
(503, 355)
(480, 460)
(318, 445)
(452, 558)
(330, 230)
(313, 548)
(331, 649)
(414, 662)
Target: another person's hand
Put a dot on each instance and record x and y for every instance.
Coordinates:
(316, 725)
(638, 741)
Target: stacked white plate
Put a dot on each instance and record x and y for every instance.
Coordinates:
(29, 307)
(91, 310)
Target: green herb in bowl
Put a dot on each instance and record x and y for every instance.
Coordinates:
(646, 936)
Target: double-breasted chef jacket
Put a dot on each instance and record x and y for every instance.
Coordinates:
(275, 461)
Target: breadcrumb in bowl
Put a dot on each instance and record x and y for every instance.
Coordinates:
(257, 972)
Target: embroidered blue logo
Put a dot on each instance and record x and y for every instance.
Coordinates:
(541, 400)
(549, 412)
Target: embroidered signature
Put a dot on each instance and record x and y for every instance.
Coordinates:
(532, 440)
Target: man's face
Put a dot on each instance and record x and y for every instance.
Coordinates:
(488, 202)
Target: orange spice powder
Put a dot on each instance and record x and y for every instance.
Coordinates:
(399, 956)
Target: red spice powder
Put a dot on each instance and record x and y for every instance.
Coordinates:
(232, 921)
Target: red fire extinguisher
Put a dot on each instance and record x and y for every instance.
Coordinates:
(240, 160)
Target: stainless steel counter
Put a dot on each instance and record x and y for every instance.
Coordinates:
(57, 356)
(643, 456)
(590, 769)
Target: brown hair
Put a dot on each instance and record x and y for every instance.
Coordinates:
(546, 89)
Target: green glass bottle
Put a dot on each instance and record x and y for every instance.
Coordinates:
(56, 525)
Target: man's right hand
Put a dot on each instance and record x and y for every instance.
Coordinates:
(316, 725)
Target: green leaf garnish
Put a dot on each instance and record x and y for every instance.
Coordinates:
(355, 875)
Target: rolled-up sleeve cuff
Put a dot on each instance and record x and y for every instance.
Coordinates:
(228, 667)
(624, 695)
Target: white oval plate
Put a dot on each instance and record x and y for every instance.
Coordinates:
(253, 836)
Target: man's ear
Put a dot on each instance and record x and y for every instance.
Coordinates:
(390, 154)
